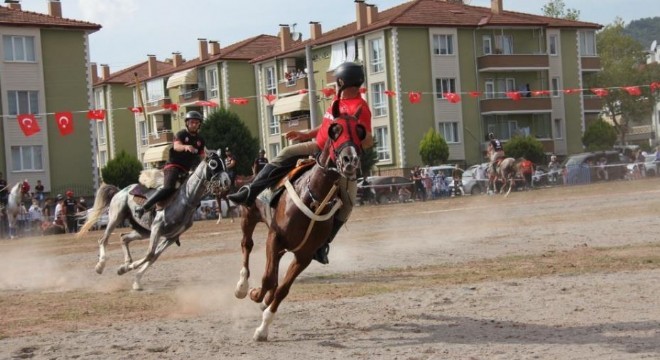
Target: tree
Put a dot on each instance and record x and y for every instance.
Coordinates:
(557, 9)
(224, 129)
(527, 147)
(122, 171)
(368, 159)
(599, 136)
(623, 61)
(433, 148)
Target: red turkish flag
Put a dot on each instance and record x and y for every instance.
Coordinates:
(541, 92)
(571, 91)
(96, 114)
(513, 95)
(414, 97)
(328, 92)
(303, 91)
(633, 90)
(205, 103)
(389, 93)
(655, 85)
(28, 124)
(452, 97)
(64, 122)
(600, 92)
(135, 109)
(171, 107)
(238, 101)
(475, 94)
(270, 98)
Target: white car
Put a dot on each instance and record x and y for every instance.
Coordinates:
(100, 224)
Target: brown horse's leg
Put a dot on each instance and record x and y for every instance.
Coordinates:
(295, 268)
(248, 224)
(274, 252)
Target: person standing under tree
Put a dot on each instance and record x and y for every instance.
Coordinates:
(259, 162)
(39, 193)
(187, 150)
(350, 77)
(230, 164)
(70, 209)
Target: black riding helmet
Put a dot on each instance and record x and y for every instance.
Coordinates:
(194, 115)
(350, 74)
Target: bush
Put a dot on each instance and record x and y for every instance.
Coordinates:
(599, 136)
(122, 171)
(223, 128)
(527, 147)
(433, 148)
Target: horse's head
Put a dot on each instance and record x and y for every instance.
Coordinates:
(345, 136)
(216, 173)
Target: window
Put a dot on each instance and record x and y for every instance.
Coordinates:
(274, 149)
(555, 87)
(587, 43)
(18, 48)
(23, 102)
(155, 90)
(504, 44)
(212, 80)
(378, 101)
(99, 101)
(342, 52)
(490, 89)
(443, 44)
(27, 158)
(443, 86)
(103, 158)
(144, 136)
(541, 126)
(273, 123)
(557, 129)
(271, 84)
(449, 131)
(382, 138)
(377, 63)
(552, 44)
(487, 45)
(100, 132)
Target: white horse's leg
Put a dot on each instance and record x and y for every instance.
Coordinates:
(243, 284)
(137, 284)
(153, 242)
(126, 239)
(261, 333)
(164, 244)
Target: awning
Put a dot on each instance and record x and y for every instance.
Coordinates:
(185, 77)
(290, 104)
(156, 154)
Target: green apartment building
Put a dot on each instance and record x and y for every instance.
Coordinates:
(44, 69)
(435, 47)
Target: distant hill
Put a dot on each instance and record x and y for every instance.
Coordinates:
(644, 30)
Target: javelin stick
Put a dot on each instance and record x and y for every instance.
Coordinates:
(139, 96)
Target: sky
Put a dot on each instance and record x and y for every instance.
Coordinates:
(134, 28)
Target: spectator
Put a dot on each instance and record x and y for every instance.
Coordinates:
(259, 162)
(70, 207)
(230, 163)
(553, 169)
(416, 177)
(39, 193)
(526, 170)
(641, 158)
(36, 214)
(404, 194)
(427, 182)
(601, 169)
(4, 191)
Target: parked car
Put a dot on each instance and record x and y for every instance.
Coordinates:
(581, 168)
(381, 189)
(651, 165)
(446, 170)
(100, 224)
(470, 183)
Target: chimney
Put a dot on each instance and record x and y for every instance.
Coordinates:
(55, 8)
(105, 71)
(94, 72)
(360, 14)
(177, 60)
(285, 37)
(372, 14)
(315, 30)
(13, 4)
(496, 6)
(203, 49)
(151, 65)
(214, 47)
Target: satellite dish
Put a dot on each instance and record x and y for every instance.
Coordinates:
(295, 36)
(654, 45)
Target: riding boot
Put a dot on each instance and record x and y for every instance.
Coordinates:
(160, 194)
(322, 253)
(247, 194)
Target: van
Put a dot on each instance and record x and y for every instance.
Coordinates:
(581, 168)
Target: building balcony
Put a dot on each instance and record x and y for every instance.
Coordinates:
(192, 96)
(292, 85)
(590, 63)
(156, 106)
(514, 62)
(161, 137)
(297, 123)
(524, 105)
(593, 104)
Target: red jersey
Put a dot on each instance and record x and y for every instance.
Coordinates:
(346, 106)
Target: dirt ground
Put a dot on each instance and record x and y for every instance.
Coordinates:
(557, 273)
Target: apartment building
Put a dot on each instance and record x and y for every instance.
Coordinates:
(433, 48)
(216, 77)
(44, 70)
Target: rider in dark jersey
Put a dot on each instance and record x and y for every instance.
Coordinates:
(495, 151)
(187, 150)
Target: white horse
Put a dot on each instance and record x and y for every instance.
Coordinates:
(506, 174)
(165, 227)
(14, 207)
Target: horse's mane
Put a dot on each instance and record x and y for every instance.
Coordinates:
(151, 178)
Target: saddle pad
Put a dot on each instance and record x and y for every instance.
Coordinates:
(140, 191)
(301, 167)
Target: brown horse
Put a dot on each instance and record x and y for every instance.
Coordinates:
(222, 196)
(301, 220)
(505, 174)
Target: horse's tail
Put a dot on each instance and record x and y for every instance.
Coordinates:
(104, 194)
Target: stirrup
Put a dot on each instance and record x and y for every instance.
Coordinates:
(321, 254)
(238, 196)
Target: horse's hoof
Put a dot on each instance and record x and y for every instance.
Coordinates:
(137, 286)
(263, 306)
(99, 268)
(122, 270)
(259, 336)
(241, 290)
(254, 292)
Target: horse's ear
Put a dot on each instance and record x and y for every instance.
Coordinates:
(361, 131)
(334, 131)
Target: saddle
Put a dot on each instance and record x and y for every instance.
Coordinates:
(301, 167)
